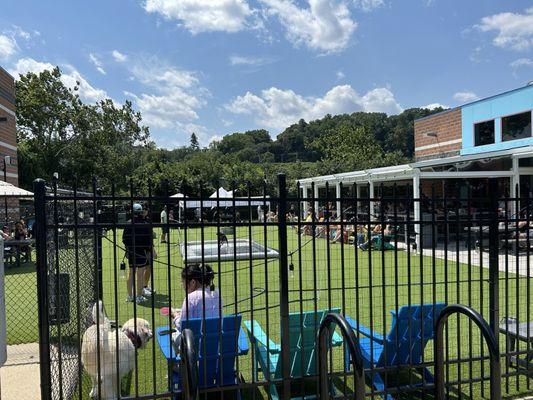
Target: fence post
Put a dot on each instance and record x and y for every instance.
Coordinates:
(284, 285)
(39, 190)
(99, 239)
(494, 246)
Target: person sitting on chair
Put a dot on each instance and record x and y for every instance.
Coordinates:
(376, 235)
(202, 300)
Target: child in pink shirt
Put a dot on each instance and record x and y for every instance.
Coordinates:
(202, 300)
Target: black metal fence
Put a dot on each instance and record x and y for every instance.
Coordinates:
(278, 265)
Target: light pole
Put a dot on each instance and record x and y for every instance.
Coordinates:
(6, 162)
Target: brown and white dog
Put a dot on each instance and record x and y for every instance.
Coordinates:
(135, 334)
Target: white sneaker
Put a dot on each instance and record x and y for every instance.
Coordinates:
(147, 292)
(140, 299)
(130, 299)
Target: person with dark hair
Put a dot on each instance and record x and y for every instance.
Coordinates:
(202, 300)
(137, 238)
(5, 233)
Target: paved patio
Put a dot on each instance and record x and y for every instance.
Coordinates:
(19, 377)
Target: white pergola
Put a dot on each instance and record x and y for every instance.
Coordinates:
(422, 170)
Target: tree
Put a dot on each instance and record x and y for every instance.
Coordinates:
(349, 149)
(57, 132)
(49, 117)
(194, 142)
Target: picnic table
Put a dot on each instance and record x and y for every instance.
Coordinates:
(516, 332)
(17, 245)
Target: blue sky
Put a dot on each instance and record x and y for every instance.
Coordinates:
(220, 66)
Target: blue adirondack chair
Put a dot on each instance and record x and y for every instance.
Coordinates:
(303, 329)
(411, 329)
(218, 342)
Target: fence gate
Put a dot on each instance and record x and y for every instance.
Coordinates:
(67, 249)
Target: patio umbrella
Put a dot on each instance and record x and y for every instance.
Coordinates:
(9, 190)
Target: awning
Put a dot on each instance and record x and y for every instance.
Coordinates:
(9, 190)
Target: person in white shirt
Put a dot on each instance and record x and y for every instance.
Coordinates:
(201, 300)
(164, 228)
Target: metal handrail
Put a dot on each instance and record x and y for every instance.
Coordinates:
(188, 366)
(325, 335)
(492, 343)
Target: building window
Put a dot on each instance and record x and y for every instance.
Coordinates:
(516, 126)
(484, 133)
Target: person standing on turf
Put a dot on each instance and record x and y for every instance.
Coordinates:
(164, 228)
(137, 238)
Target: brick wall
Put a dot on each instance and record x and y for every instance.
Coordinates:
(447, 127)
(8, 137)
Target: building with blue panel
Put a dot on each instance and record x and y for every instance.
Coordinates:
(500, 122)
(456, 152)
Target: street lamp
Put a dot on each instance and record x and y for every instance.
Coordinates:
(7, 161)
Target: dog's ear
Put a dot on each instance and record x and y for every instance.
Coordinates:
(98, 312)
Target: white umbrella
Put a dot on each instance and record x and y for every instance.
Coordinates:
(178, 196)
(10, 190)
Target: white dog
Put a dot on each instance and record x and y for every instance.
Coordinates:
(129, 339)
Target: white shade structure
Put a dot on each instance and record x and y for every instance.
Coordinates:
(9, 190)
(225, 198)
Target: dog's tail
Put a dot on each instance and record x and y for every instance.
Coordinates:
(98, 314)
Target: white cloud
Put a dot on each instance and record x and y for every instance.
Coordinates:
(250, 61)
(465, 97)
(8, 47)
(521, 62)
(380, 100)
(368, 5)
(277, 108)
(514, 31)
(70, 77)
(326, 26)
(433, 106)
(215, 138)
(203, 15)
(171, 97)
(25, 65)
(93, 58)
(340, 75)
(118, 56)
(11, 38)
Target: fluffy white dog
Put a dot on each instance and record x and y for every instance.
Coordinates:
(129, 339)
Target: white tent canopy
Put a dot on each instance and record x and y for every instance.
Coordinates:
(10, 190)
(225, 198)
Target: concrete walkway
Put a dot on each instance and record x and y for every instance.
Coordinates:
(19, 377)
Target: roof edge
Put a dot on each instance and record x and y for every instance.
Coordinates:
(476, 101)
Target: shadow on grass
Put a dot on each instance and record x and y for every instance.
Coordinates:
(157, 301)
(24, 268)
(396, 390)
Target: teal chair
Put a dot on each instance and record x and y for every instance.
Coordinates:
(303, 330)
(412, 328)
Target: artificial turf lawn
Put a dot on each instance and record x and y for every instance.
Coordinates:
(324, 276)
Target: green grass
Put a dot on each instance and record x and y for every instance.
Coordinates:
(325, 276)
(21, 304)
